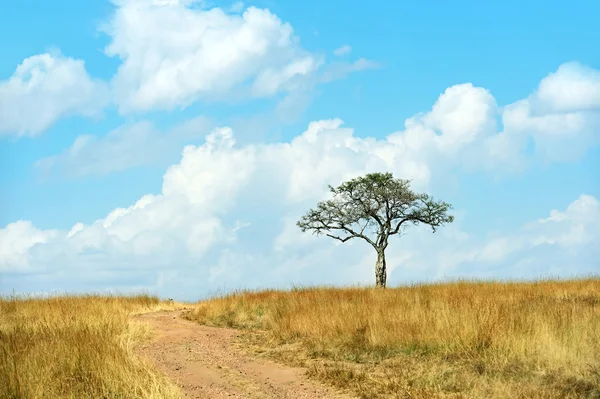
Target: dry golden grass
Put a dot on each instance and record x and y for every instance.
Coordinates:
(77, 347)
(460, 339)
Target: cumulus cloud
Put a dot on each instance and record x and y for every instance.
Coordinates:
(45, 88)
(175, 53)
(565, 106)
(16, 243)
(573, 87)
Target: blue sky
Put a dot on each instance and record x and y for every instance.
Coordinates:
(494, 108)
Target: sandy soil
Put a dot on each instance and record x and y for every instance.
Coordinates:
(204, 362)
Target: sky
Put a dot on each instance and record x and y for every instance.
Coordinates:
(170, 146)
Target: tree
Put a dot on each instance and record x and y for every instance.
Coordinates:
(374, 207)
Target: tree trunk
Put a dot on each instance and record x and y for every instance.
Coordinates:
(380, 269)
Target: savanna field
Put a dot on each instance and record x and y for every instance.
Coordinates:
(450, 340)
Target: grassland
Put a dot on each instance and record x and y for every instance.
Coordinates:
(77, 347)
(459, 340)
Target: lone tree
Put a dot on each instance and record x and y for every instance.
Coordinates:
(374, 207)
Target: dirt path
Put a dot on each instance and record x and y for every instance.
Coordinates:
(205, 364)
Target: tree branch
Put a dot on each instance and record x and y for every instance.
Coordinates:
(341, 239)
(367, 209)
(396, 229)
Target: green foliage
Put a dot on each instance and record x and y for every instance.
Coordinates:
(374, 207)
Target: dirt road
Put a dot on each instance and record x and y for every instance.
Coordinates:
(204, 362)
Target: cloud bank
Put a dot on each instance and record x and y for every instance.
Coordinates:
(225, 216)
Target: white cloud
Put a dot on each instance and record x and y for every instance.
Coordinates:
(175, 54)
(345, 49)
(130, 145)
(565, 243)
(191, 229)
(463, 113)
(45, 88)
(562, 116)
(271, 80)
(573, 87)
(579, 224)
(16, 241)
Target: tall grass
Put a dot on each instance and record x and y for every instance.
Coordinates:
(76, 347)
(460, 339)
